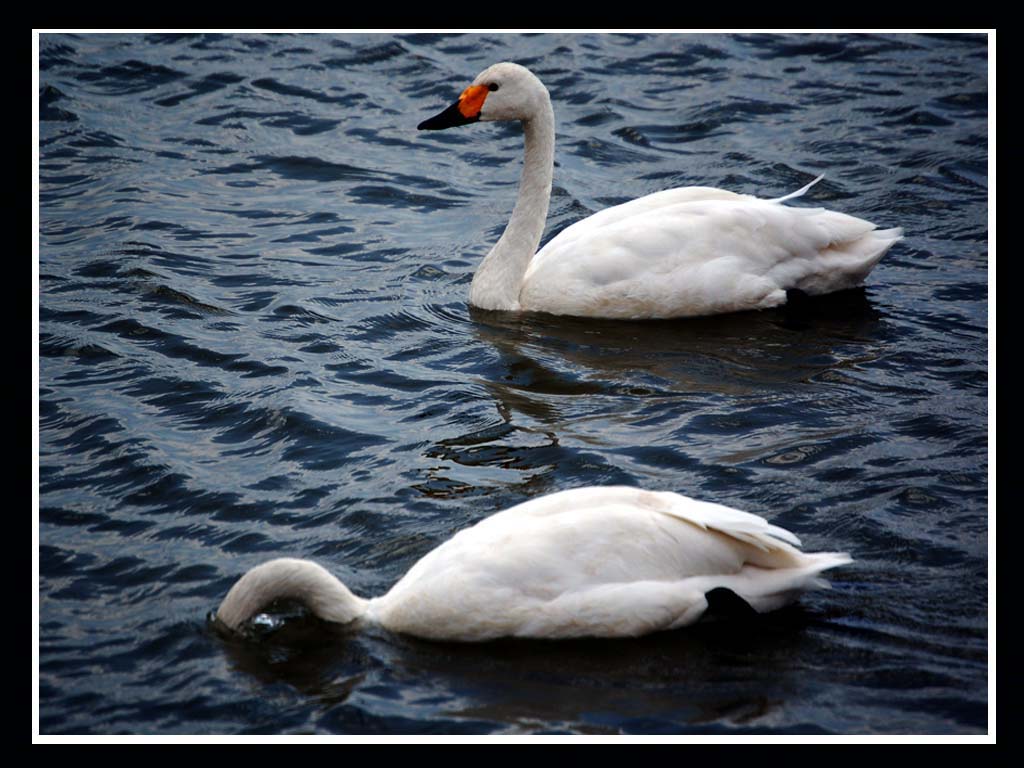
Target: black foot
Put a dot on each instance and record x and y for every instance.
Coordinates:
(724, 602)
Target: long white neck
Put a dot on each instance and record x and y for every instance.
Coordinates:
(499, 278)
(287, 578)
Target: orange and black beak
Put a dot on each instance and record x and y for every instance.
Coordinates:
(466, 110)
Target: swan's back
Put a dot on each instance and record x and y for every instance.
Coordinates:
(699, 251)
(596, 561)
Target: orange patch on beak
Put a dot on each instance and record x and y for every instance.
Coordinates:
(472, 100)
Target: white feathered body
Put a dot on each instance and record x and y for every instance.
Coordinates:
(609, 562)
(699, 251)
(601, 562)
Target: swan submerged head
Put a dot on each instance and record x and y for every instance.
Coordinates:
(503, 91)
(289, 579)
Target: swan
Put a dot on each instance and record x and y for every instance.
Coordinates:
(598, 561)
(680, 252)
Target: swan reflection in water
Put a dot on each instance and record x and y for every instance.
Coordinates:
(732, 669)
(735, 354)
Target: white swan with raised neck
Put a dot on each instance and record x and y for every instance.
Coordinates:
(599, 561)
(681, 252)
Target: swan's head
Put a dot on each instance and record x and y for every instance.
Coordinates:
(504, 91)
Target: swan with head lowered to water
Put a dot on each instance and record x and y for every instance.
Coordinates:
(597, 562)
(677, 253)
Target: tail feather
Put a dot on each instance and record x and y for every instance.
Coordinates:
(767, 589)
(850, 262)
(799, 193)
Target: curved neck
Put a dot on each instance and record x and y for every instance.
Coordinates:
(499, 278)
(291, 579)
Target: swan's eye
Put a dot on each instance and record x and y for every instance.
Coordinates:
(492, 86)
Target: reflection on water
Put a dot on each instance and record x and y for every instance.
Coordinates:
(731, 355)
(308, 655)
(736, 384)
(727, 670)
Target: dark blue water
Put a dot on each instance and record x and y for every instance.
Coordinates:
(254, 341)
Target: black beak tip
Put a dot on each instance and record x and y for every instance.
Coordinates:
(449, 118)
